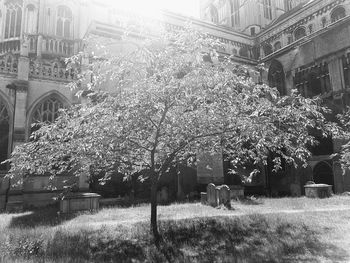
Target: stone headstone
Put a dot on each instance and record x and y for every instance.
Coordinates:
(203, 198)
(224, 196)
(211, 195)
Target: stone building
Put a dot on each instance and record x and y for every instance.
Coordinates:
(305, 44)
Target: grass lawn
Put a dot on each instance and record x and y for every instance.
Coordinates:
(256, 230)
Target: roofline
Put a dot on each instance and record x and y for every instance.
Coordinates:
(270, 28)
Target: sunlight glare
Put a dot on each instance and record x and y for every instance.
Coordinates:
(152, 8)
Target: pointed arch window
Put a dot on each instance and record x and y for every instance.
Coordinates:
(235, 13)
(4, 134)
(13, 20)
(337, 13)
(267, 9)
(47, 111)
(31, 19)
(64, 22)
(299, 33)
(276, 77)
(214, 15)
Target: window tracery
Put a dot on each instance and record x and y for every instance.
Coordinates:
(47, 111)
(276, 77)
(64, 21)
(31, 19)
(299, 33)
(13, 19)
(337, 13)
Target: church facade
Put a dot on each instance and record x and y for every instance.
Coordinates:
(304, 44)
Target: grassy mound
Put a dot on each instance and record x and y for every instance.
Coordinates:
(254, 238)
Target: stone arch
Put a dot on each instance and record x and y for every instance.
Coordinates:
(31, 19)
(277, 45)
(244, 52)
(6, 126)
(45, 109)
(214, 14)
(323, 173)
(299, 33)
(276, 77)
(337, 13)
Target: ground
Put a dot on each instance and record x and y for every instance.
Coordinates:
(311, 230)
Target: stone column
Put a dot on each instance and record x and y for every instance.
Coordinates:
(39, 46)
(20, 112)
(336, 74)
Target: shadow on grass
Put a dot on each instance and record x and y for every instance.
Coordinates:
(47, 216)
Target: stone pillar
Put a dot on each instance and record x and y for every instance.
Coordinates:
(39, 46)
(19, 126)
(289, 82)
(336, 74)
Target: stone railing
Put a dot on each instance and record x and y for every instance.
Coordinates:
(53, 46)
(52, 72)
(8, 65)
(10, 46)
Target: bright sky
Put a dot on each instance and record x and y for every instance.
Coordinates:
(147, 7)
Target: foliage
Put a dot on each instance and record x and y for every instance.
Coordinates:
(161, 103)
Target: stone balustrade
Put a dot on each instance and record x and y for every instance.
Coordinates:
(8, 65)
(52, 72)
(10, 46)
(52, 46)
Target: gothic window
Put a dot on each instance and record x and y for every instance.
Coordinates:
(214, 16)
(276, 77)
(314, 85)
(252, 31)
(267, 49)
(337, 13)
(277, 45)
(31, 19)
(288, 5)
(13, 19)
(299, 33)
(222, 11)
(244, 52)
(235, 13)
(346, 69)
(267, 9)
(64, 21)
(4, 134)
(47, 111)
(313, 81)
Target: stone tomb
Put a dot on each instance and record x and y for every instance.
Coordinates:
(79, 202)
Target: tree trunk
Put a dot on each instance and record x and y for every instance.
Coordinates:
(7, 193)
(154, 226)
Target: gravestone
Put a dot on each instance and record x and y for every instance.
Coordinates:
(224, 196)
(211, 195)
(204, 198)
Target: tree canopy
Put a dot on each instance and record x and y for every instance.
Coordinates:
(163, 102)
